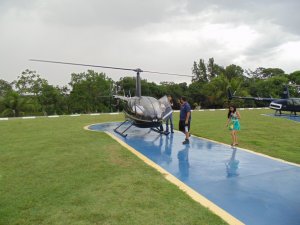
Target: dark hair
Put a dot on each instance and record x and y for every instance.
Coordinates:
(183, 98)
(229, 112)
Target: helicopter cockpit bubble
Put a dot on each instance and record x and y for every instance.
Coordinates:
(145, 107)
(152, 107)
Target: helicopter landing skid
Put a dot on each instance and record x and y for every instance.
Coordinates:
(122, 133)
(156, 129)
(278, 113)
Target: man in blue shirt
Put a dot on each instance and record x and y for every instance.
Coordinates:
(185, 119)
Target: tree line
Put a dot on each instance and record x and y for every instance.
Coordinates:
(92, 92)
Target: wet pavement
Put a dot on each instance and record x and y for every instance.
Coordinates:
(252, 188)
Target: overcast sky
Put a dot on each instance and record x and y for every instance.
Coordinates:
(159, 35)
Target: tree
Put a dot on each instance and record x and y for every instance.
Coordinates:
(271, 87)
(200, 72)
(91, 92)
(265, 73)
(152, 89)
(4, 87)
(233, 71)
(29, 83)
(52, 99)
(195, 94)
(216, 92)
(272, 72)
(213, 69)
(126, 85)
(175, 90)
(294, 77)
(15, 104)
(62, 105)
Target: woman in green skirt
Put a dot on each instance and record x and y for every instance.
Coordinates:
(233, 124)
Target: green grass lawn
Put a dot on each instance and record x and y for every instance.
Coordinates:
(52, 171)
(275, 137)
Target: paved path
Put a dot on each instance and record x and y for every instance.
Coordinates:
(254, 189)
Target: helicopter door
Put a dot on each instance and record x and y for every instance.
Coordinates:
(289, 104)
(296, 105)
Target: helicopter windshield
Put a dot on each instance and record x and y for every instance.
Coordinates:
(139, 109)
(146, 107)
(152, 107)
(296, 102)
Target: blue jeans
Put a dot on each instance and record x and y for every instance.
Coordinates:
(169, 119)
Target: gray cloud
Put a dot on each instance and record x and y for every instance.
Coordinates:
(114, 13)
(282, 13)
(154, 35)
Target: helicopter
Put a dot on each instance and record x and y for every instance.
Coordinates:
(140, 111)
(286, 103)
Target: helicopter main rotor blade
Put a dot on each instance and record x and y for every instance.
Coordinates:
(80, 64)
(170, 74)
(108, 67)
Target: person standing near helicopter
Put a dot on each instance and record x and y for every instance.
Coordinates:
(233, 124)
(170, 118)
(185, 119)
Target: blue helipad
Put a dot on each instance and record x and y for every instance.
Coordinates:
(254, 189)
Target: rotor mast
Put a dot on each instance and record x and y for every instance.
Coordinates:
(138, 90)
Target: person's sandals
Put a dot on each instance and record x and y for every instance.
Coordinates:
(187, 141)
